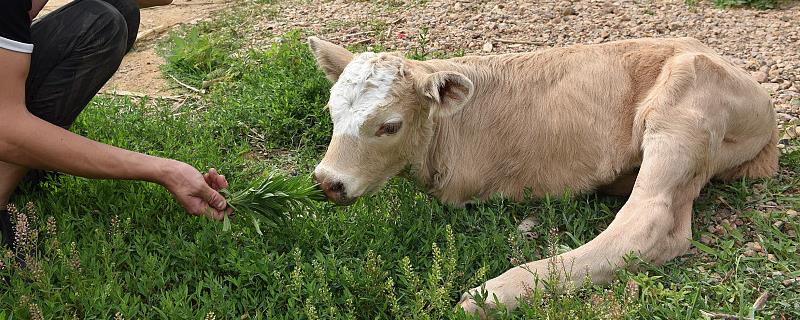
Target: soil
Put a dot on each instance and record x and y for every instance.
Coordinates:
(139, 72)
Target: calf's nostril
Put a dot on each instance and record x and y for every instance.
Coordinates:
(337, 186)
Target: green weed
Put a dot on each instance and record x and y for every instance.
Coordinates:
(758, 4)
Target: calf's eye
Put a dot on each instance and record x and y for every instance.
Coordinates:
(389, 128)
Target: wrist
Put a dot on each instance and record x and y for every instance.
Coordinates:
(164, 173)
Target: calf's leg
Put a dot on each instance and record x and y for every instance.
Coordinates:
(655, 222)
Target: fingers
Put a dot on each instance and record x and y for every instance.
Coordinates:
(215, 180)
(214, 199)
(222, 182)
(209, 177)
(203, 210)
(215, 214)
(207, 201)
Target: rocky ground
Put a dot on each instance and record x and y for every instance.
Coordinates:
(766, 43)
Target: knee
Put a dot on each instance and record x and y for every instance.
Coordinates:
(129, 9)
(109, 32)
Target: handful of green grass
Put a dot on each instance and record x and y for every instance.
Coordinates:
(273, 199)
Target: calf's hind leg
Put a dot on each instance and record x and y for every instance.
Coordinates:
(655, 222)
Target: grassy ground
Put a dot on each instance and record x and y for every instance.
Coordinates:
(125, 249)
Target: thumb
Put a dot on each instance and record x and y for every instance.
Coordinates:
(214, 199)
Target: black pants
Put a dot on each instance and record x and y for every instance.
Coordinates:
(76, 49)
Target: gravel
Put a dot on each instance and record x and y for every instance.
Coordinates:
(765, 43)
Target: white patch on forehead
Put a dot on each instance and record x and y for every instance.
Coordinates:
(362, 87)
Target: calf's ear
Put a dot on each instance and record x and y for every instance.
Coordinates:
(331, 58)
(446, 91)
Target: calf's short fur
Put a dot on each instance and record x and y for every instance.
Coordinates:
(652, 118)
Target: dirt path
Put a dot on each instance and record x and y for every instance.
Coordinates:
(139, 71)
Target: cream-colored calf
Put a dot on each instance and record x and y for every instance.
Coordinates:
(655, 118)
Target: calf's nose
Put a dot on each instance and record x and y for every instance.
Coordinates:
(334, 189)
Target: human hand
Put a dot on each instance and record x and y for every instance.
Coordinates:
(197, 193)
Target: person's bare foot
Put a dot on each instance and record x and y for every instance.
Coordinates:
(152, 3)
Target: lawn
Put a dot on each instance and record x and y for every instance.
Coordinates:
(126, 250)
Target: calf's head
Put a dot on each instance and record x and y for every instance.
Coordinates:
(382, 106)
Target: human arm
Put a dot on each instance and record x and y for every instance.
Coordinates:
(31, 142)
(36, 7)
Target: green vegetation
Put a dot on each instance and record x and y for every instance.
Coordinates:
(105, 249)
(273, 199)
(758, 4)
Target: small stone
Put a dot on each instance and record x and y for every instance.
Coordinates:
(527, 224)
(568, 11)
(760, 76)
(757, 247)
(791, 213)
(706, 239)
(771, 258)
(777, 274)
(771, 87)
(786, 117)
(749, 253)
(774, 73)
(487, 47)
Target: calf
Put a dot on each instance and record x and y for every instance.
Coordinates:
(652, 118)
